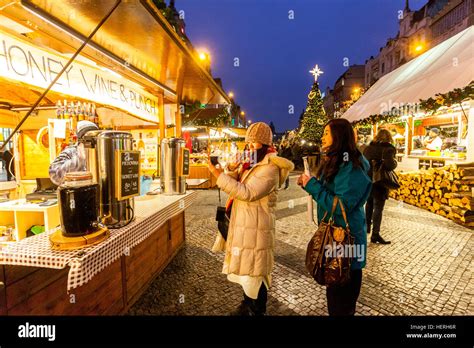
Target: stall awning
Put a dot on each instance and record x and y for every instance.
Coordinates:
(136, 41)
(444, 67)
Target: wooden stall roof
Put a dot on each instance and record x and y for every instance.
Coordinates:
(136, 37)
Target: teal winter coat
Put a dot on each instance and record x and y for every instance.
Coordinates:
(352, 186)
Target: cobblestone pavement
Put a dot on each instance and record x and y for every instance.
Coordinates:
(427, 270)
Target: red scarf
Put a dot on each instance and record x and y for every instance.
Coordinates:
(246, 166)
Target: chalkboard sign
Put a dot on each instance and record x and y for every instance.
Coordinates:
(128, 174)
(424, 164)
(185, 162)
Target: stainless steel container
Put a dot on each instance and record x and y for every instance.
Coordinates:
(90, 145)
(172, 182)
(114, 213)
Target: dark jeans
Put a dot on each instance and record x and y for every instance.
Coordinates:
(342, 300)
(258, 306)
(373, 213)
(287, 182)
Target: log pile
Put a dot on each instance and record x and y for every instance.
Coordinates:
(446, 191)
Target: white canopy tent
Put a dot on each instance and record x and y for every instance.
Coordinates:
(444, 67)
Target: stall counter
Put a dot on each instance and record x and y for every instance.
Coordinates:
(418, 162)
(104, 279)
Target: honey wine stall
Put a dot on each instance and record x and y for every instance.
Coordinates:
(131, 88)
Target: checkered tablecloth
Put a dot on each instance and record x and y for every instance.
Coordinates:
(85, 263)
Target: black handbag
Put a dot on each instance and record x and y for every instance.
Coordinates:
(223, 221)
(386, 178)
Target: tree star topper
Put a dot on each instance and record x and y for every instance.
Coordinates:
(316, 72)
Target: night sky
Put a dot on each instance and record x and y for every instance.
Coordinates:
(276, 52)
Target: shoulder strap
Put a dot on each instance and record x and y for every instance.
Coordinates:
(344, 214)
(334, 204)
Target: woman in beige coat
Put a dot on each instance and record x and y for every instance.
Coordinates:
(252, 189)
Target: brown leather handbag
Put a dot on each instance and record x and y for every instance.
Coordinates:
(329, 252)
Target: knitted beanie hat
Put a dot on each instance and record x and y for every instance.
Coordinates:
(259, 133)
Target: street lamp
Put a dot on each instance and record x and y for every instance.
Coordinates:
(231, 95)
(242, 113)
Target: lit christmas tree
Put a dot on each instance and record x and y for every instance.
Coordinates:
(314, 118)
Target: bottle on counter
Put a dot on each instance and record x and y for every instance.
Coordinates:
(59, 107)
(66, 114)
(80, 111)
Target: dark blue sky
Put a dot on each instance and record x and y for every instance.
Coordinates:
(276, 53)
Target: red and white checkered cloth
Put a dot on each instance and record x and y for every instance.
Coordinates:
(87, 262)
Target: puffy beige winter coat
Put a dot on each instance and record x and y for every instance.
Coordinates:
(251, 237)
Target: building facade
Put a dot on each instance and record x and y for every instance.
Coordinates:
(419, 30)
(349, 84)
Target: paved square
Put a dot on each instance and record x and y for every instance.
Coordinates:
(427, 270)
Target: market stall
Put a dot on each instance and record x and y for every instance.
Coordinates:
(217, 141)
(104, 279)
(428, 106)
(131, 89)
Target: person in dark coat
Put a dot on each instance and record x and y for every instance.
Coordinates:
(379, 149)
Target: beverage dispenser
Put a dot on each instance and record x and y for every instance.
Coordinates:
(90, 145)
(174, 166)
(119, 177)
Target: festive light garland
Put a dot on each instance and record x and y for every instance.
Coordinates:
(430, 105)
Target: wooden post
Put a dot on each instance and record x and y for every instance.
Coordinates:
(470, 135)
(408, 135)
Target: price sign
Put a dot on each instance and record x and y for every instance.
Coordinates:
(424, 164)
(128, 174)
(185, 162)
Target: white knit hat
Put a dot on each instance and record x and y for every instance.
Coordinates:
(259, 132)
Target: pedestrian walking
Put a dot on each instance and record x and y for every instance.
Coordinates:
(252, 187)
(382, 152)
(342, 173)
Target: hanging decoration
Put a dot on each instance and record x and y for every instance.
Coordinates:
(430, 106)
(456, 96)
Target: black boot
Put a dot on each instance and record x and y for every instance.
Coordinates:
(378, 239)
(257, 307)
(243, 310)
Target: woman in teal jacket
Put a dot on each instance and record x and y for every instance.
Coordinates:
(342, 173)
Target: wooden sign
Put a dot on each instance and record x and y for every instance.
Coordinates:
(127, 164)
(185, 162)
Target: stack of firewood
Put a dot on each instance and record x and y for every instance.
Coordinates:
(446, 191)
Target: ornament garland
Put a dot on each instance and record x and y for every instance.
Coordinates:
(430, 105)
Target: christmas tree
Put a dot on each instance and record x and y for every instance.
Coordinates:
(314, 117)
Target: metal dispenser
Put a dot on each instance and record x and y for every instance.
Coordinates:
(115, 213)
(173, 180)
(90, 145)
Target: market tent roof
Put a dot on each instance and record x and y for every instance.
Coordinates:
(444, 67)
(136, 35)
